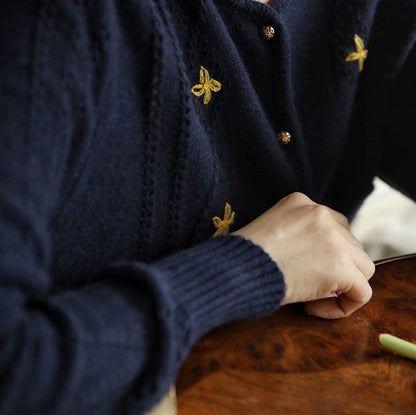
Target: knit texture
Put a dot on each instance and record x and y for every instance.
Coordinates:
(121, 158)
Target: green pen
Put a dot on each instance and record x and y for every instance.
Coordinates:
(401, 347)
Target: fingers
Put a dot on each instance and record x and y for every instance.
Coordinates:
(327, 308)
(356, 297)
(317, 254)
(362, 261)
(344, 304)
(357, 254)
(355, 249)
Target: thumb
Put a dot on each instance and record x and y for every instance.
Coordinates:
(344, 304)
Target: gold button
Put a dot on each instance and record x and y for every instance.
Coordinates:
(268, 32)
(284, 137)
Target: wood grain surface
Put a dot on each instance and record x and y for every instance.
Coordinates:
(291, 363)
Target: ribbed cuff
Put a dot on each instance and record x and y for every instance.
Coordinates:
(224, 279)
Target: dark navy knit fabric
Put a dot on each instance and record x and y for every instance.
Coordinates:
(112, 168)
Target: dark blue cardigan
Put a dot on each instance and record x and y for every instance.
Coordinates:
(117, 150)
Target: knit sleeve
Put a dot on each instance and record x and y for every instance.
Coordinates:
(115, 344)
(399, 132)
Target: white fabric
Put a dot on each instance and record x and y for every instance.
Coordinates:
(386, 223)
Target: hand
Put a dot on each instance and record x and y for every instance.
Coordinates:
(322, 262)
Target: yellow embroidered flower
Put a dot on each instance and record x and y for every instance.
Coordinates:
(205, 86)
(361, 53)
(223, 225)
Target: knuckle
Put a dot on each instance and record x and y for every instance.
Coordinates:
(298, 197)
(343, 217)
(321, 214)
(345, 221)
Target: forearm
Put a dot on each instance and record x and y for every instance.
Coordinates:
(119, 342)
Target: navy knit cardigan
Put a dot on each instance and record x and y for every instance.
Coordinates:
(126, 126)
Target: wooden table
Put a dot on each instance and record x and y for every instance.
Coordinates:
(291, 363)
